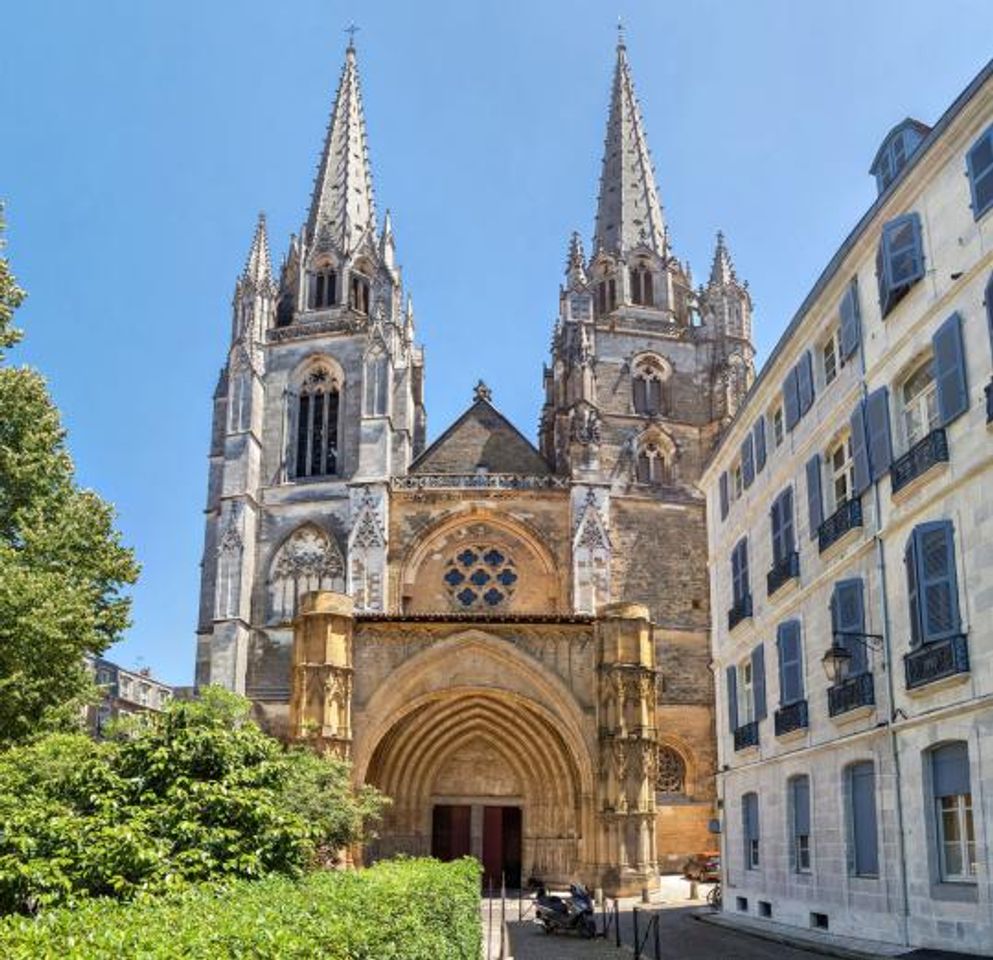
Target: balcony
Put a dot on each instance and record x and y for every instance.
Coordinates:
(920, 458)
(936, 660)
(847, 517)
(783, 571)
(746, 736)
(989, 402)
(791, 717)
(850, 694)
(741, 610)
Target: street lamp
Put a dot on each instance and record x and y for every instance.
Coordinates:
(839, 657)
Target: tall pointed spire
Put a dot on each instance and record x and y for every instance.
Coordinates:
(628, 209)
(258, 266)
(722, 270)
(343, 203)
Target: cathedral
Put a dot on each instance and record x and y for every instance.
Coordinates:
(509, 640)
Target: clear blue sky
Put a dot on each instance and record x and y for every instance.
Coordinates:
(140, 139)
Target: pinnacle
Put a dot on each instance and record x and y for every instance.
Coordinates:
(575, 267)
(628, 210)
(343, 201)
(722, 271)
(258, 266)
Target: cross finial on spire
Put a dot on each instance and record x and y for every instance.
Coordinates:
(482, 392)
(620, 33)
(351, 30)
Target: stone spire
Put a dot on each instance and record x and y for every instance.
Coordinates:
(258, 266)
(575, 268)
(722, 271)
(628, 209)
(343, 203)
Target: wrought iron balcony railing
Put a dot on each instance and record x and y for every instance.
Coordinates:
(920, 458)
(847, 517)
(791, 717)
(936, 660)
(782, 570)
(747, 735)
(741, 610)
(989, 402)
(851, 693)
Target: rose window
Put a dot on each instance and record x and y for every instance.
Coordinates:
(480, 578)
(671, 775)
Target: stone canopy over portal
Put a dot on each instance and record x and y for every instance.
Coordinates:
(476, 734)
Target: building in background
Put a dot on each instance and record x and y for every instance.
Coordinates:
(509, 640)
(123, 693)
(850, 530)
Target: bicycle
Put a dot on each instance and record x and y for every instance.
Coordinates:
(714, 896)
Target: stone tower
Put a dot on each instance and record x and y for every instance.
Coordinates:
(318, 406)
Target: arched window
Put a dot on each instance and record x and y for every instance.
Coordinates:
(322, 288)
(641, 286)
(358, 295)
(606, 296)
(670, 776)
(308, 560)
(652, 467)
(317, 424)
(648, 388)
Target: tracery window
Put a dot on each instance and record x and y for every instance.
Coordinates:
(648, 389)
(322, 289)
(317, 425)
(670, 776)
(308, 560)
(480, 577)
(652, 467)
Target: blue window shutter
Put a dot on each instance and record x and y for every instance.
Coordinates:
(750, 818)
(743, 565)
(747, 461)
(814, 509)
(732, 680)
(850, 326)
(900, 261)
(758, 681)
(979, 161)
(791, 399)
(860, 452)
(913, 597)
(775, 527)
(723, 483)
(801, 806)
(877, 431)
(758, 432)
(937, 588)
(790, 662)
(989, 309)
(862, 779)
(949, 369)
(805, 382)
(735, 575)
(950, 769)
(786, 521)
(848, 616)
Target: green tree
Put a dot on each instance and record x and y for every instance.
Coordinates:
(196, 794)
(62, 565)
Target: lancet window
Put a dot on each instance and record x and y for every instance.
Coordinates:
(649, 388)
(652, 466)
(358, 296)
(317, 424)
(642, 293)
(322, 289)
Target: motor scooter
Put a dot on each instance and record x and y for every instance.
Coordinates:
(574, 914)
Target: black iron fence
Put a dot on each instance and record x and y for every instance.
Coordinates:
(791, 717)
(741, 610)
(920, 458)
(847, 517)
(851, 693)
(782, 570)
(747, 735)
(936, 660)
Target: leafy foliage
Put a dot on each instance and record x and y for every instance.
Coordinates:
(397, 910)
(62, 565)
(199, 793)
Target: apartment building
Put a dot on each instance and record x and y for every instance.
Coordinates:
(123, 693)
(850, 526)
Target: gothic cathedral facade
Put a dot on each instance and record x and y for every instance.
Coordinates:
(511, 641)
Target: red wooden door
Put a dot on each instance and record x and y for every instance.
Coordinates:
(492, 846)
(450, 831)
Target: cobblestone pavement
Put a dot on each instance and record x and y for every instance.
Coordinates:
(681, 938)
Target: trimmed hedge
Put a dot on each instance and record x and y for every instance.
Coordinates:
(396, 910)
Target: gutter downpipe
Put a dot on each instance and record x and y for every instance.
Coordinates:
(890, 686)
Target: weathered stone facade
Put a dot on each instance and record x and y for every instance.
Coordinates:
(509, 641)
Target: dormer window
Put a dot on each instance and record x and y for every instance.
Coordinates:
(897, 149)
(322, 289)
(641, 286)
(358, 297)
